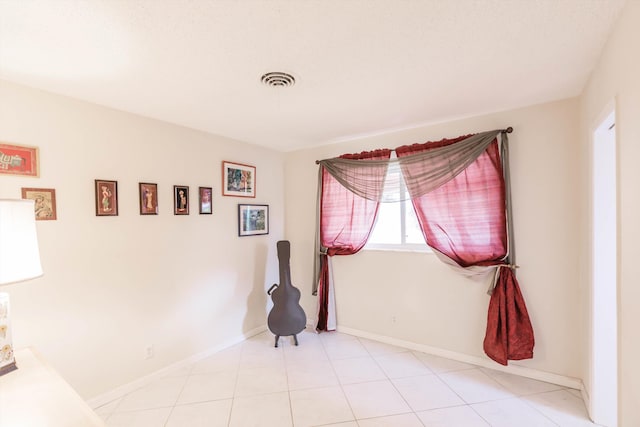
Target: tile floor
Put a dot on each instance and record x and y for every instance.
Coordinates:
(334, 379)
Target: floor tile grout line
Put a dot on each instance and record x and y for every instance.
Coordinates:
(412, 411)
(186, 380)
(335, 373)
(472, 403)
(470, 406)
(452, 390)
(442, 381)
(496, 379)
(526, 402)
(114, 410)
(286, 372)
(514, 397)
(235, 386)
(394, 385)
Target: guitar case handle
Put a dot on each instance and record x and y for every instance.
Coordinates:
(275, 285)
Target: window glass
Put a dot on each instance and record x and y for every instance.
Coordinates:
(397, 226)
(388, 225)
(413, 233)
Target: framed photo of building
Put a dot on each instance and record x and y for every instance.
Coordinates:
(44, 202)
(106, 197)
(206, 200)
(180, 200)
(253, 220)
(148, 198)
(238, 180)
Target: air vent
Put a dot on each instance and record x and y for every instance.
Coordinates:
(278, 79)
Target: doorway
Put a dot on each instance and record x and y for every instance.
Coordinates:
(604, 357)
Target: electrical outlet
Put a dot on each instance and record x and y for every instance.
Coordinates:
(393, 319)
(149, 351)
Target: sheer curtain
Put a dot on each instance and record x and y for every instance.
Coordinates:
(465, 220)
(345, 222)
(459, 189)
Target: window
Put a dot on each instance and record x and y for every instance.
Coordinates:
(396, 227)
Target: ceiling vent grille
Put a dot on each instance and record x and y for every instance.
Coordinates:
(278, 79)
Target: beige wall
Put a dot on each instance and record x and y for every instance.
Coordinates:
(434, 306)
(113, 285)
(616, 77)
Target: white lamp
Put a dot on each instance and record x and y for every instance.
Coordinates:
(19, 261)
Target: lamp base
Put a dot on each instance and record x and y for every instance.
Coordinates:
(8, 368)
(7, 359)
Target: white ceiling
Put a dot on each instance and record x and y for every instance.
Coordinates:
(362, 66)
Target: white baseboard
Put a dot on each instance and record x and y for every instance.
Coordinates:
(118, 392)
(587, 401)
(513, 368)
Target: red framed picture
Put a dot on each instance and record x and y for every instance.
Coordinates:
(19, 160)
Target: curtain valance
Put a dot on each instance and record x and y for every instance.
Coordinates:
(379, 180)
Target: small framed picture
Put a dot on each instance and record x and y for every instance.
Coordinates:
(19, 160)
(253, 220)
(45, 202)
(106, 197)
(238, 180)
(148, 198)
(180, 200)
(205, 198)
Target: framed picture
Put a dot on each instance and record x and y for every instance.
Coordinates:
(45, 202)
(106, 198)
(253, 220)
(19, 160)
(205, 199)
(180, 200)
(238, 180)
(148, 198)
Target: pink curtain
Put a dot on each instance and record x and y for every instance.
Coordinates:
(465, 220)
(346, 221)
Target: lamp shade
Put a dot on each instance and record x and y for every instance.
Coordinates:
(19, 254)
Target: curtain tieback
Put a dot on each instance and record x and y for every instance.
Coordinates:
(511, 266)
(492, 285)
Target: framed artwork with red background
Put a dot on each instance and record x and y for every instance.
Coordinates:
(19, 160)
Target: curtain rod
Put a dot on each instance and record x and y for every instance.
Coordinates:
(507, 130)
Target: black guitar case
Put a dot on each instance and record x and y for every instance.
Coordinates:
(287, 316)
